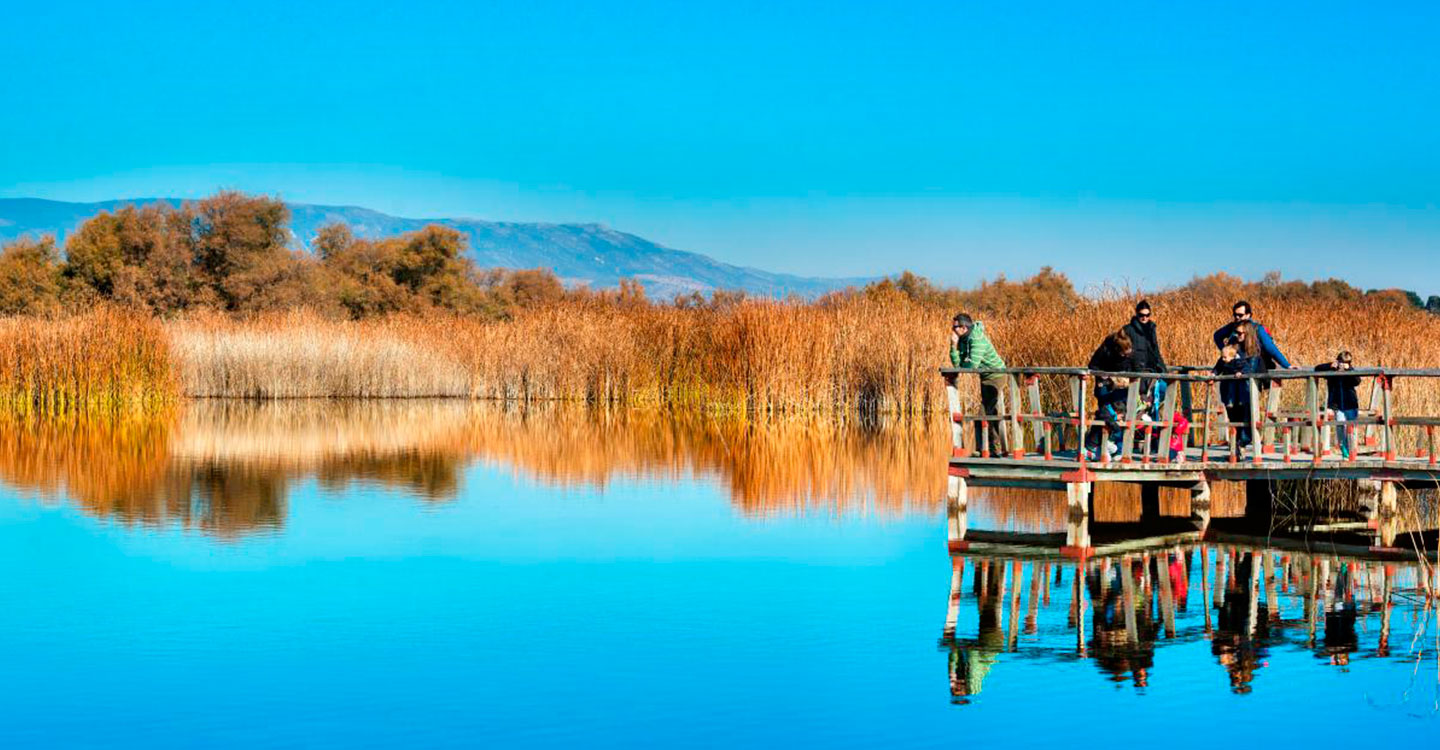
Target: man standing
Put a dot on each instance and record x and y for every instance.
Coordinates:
(970, 348)
(1146, 356)
(1271, 353)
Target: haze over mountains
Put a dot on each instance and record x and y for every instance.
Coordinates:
(578, 253)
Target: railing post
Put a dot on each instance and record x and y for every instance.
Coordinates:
(1039, 429)
(1312, 404)
(1167, 417)
(1132, 399)
(1377, 390)
(957, 417)
(1210, 390)
(1272, 408)
(1387, 383)
(1255, 412)
(1078, 388)
(1016, 437)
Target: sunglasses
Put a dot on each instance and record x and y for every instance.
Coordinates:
(1241, 316)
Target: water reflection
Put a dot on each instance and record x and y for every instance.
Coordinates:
(1117, 610)
(229, 467)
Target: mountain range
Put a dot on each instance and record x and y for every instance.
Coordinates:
(578, 253)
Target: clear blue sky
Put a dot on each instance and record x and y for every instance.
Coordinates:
(1133, 143)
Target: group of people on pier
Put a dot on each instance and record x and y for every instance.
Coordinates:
(1245, 348)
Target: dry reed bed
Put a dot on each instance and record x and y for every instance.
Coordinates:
(874, 353)
(105, 360)
(756, 356)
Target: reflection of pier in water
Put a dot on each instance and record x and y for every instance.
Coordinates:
(1123, 590)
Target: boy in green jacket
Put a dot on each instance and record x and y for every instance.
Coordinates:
(970, 348)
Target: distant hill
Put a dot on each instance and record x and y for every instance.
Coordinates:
(578, 253)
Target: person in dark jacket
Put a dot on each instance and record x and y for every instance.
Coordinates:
(1341, 396)
(1147, 356)
(1243, 356)
(1115, 354)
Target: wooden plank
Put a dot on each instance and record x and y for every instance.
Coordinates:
(1132, 399)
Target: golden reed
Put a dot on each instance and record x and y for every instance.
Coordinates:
(105, 360)
(871, 352)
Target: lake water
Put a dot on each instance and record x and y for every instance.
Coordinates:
(456, 574)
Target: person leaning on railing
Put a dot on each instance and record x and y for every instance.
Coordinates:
(1115, 354)
(970, 348)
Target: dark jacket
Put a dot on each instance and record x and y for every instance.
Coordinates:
(1107, 359)
(1147, 357)
(1271, 353)
(1341, 395)
(1237, 392)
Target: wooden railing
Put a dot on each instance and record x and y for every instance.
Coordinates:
(1039, 429)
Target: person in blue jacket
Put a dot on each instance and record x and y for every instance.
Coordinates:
(1242, 312)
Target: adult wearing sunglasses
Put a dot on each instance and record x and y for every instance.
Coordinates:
(1242, 311)
(1146, 356)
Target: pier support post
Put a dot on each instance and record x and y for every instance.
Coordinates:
(1384, 517)
(1077, 497)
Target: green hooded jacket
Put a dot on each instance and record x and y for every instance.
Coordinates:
(975, 351)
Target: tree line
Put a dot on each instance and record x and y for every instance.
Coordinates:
(232, 252)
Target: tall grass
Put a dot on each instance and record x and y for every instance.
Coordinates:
(868, 352)
(861, 352)
(104, 360)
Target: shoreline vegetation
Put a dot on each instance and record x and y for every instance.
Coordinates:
(151, 305)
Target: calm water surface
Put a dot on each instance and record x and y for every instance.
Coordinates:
(442, 574)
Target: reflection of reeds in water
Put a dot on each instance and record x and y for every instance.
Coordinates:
(121, 468)
(768, 466)
(227, 466)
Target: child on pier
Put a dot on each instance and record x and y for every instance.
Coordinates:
(1341, 397)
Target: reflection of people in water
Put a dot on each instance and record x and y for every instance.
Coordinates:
(1124, 630)
(1340, 637)
(1242, 626)
(971, 659)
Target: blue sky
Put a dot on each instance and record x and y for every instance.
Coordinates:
(1137, 144)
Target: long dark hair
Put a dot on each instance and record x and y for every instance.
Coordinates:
(1249, 346)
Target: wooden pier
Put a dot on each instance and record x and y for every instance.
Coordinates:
(1187, 439)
